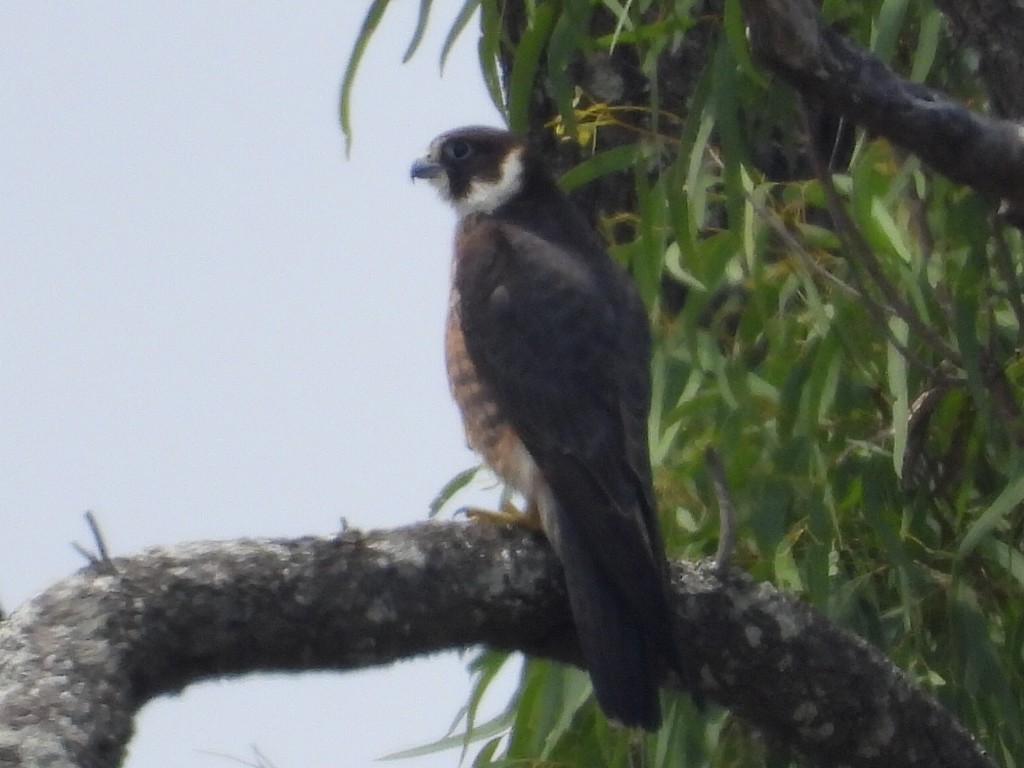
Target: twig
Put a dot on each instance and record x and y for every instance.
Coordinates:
(774, 221)
(726, 510)
(101, 557)
(859, 293)
(851, 235)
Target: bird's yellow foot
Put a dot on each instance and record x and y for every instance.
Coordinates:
(509, 514)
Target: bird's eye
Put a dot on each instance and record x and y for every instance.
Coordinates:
(458, 150)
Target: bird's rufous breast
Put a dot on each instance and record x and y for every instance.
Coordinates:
(487, 431)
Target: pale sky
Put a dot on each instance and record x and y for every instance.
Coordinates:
(213, 325)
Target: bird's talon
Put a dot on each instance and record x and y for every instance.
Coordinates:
(508, 514)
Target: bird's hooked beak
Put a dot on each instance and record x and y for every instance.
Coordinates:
(426, 167)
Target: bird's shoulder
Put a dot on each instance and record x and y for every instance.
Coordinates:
(485, 242)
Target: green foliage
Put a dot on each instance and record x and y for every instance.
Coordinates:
(370, 22)
(849, 343)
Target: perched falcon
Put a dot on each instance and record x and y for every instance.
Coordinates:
(548, 354)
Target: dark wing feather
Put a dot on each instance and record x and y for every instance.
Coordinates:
(561, 339)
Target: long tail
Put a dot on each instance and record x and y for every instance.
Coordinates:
(623, 660)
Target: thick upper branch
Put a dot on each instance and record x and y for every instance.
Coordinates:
(81, 658)
(822, 65)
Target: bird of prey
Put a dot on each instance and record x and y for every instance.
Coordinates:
(548, 353)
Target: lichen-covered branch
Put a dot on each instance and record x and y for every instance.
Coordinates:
(831, 71)
(79, 660)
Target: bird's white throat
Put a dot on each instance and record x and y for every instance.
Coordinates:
(486, 196)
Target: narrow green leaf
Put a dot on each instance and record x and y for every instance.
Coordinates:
(787, 573)
(646, 33)
(482, 731)
(670, 739)
(682, 215)
(488, 50)
(927, 44)
(370, 22)
(601, 164)
(896, 372)
(869, 183)
(564, 43)
(537, 708)
(1007, 557)
(461, 20)
(817, 237)
(485, 756)
(822, 382)
(965, 322)
(985, 676)
(730, 135)
(622, 20)
(696, 170)
(659, 376)
(576, 691)
(774, 503)
(891, 231)
(736, 34)
(878, 501)
(524, 66)
(647, 257)
(816, 549)
(887, 28)
(452, 487)
(792, 391)
(1005, 503)
(486, 667)
(674, 266)
(421, 27)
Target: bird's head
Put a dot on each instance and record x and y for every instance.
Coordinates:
(476, 169)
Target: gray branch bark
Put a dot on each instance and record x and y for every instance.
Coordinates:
(829, 70)
(80, 659)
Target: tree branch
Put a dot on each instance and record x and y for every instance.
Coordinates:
(969, 148)
(78, 660)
